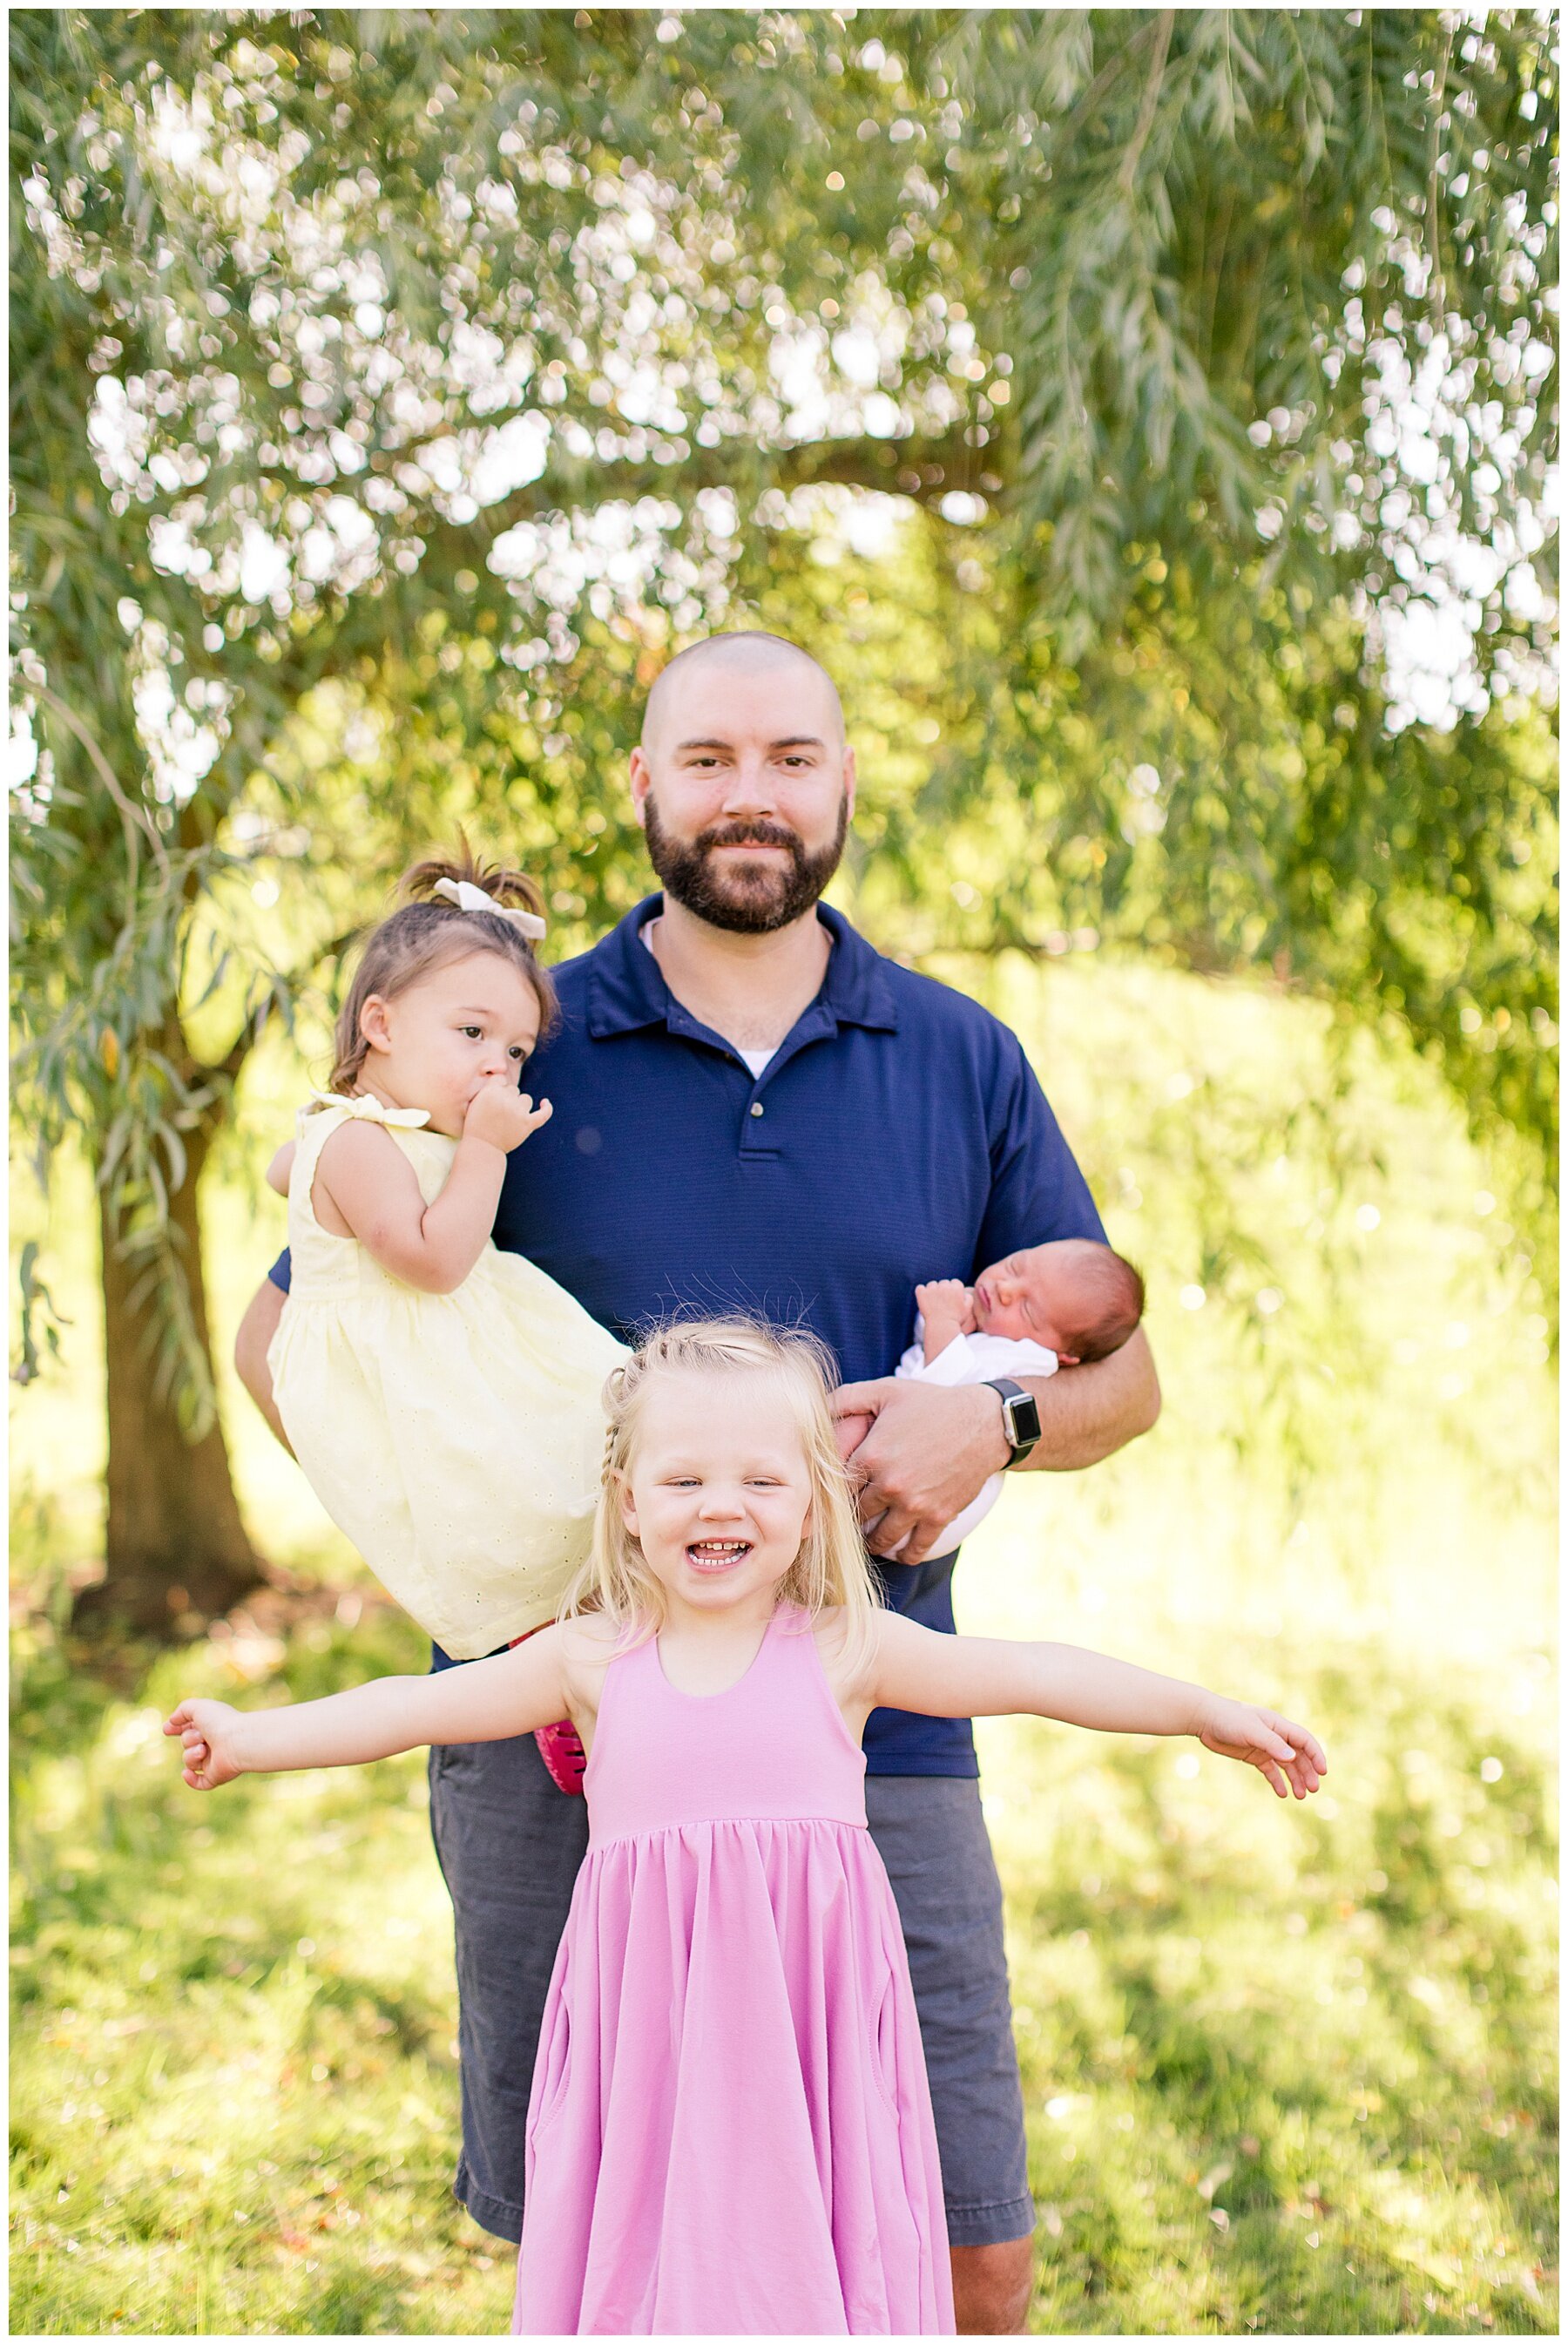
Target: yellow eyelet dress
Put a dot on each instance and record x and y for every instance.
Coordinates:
(456, 1439)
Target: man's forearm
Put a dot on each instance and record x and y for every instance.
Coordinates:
(1089, 1412)
(251, 1346)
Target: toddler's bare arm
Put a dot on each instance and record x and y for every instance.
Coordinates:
(365, 1188)
(366, 1181)
(485, 1701)
(977, 1676)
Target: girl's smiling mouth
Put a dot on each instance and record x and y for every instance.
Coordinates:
(717, 1554)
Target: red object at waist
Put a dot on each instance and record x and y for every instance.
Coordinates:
(559, 1746)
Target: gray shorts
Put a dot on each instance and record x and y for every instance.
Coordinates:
(510, 1846)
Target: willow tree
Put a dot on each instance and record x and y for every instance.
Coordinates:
(392, 388)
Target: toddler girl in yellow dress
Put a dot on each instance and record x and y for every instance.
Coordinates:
(443, 1397)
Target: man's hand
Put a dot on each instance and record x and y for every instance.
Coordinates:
(504, 1114)
(929, 1452)
(947, 1306)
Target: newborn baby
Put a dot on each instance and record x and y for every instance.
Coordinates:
(1045, 1307)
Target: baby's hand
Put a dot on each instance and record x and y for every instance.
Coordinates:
(281, 1167)
(206, 1732)
(504, 1114)
(946, 1306)
(1281, 1752)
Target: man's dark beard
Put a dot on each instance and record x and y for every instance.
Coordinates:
(746, 903)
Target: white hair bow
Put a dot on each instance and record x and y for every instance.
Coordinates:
(469, 898)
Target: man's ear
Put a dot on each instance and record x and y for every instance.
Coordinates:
(641, 782)
(374, 1026)
(850, 779)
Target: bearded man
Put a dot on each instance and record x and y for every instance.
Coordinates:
(755, 1110)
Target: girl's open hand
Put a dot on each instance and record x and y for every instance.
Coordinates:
(206, 1732)
(1286, 1756)
(504, 1114)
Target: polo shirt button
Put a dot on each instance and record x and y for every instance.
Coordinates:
(756, 1106)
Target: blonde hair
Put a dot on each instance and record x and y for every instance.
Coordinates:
(427, 932)
(831, 1567)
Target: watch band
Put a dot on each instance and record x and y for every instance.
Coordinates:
(1019, 1417)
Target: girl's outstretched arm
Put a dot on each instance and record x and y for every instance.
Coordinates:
(483, 1701)
(979, 1676)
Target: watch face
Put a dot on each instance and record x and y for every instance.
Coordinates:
(1024, 1420)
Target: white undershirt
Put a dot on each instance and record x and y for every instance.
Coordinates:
(756, 1060)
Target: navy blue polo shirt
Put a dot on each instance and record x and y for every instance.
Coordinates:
(898, 1134)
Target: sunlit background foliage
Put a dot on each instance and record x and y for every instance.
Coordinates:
(1149, 417)
(392, 390)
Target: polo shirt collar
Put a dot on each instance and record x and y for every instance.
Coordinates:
(626, 990)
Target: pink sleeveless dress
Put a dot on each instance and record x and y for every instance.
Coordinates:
(730, 2130)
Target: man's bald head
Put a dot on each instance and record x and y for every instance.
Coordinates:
(720, 658)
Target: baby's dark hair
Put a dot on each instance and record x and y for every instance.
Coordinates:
(1109, 1293)
(426, 932)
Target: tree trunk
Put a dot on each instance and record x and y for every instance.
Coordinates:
(175, 1544)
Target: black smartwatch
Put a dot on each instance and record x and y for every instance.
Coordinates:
(1019, 1416)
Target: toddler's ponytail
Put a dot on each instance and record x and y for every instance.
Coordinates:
(512, 890)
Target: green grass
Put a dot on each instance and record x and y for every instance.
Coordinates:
(234, 2089)
(1287, 2071)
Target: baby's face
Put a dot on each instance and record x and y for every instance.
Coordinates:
(1024, 1299)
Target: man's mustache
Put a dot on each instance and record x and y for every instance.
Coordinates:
(749, 833)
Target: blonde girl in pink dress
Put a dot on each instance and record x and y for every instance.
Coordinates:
(730, 2131)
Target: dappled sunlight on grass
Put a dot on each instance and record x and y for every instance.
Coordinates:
(234, 2095)
(1287, 2065)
